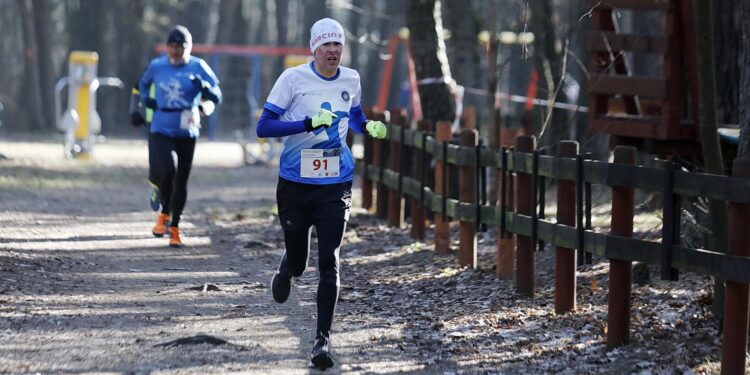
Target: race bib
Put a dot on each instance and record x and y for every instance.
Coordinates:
(319, 163)
(190, 119)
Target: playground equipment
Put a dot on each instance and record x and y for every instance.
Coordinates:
(80, 121)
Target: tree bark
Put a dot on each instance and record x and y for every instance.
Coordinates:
(547, 59)
(42, 29)
(727, 36)
(744, 84)
(282, 8)
(708, 134)
(463, 49)
(33, 105)
(430, 60)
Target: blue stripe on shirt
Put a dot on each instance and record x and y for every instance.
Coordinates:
(269, 125)
(274, 108)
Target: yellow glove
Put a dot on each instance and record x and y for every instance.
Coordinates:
(376, 129)
(324, 117)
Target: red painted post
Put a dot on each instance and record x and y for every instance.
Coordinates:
(368, 159)
(525, 248)
(468, 118)
(506, 242)
(618, 320)
(736, 296)
(565, 258)
(467, 231)
(395, 199)
(379, 157)
(418, 212)
(442, 225)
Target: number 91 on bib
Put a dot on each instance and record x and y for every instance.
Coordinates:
(319, 163)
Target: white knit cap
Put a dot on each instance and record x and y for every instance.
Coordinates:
(324, 31)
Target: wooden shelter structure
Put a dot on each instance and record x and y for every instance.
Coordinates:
(655, 114)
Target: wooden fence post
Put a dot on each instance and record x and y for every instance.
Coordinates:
(418, 212)
(395, 199)
(736, 296)
(525, 247)
(618, 319)
(505, 255)
(467, 248)
(565, 258)
(506, 242)
(380, 157)
(442, 224)
(368, 159)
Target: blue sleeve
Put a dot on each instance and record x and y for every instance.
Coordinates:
(357, 119)
(269, 125)
(213, 92)
(147, 78)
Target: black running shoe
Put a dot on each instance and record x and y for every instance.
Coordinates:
(280, 287)
(321, 356)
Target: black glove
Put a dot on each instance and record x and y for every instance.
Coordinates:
(149, 103)
(198, 82)
(136, 119)
(204, 87)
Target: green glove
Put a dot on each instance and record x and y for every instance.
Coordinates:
(376, 129)
(324, 117)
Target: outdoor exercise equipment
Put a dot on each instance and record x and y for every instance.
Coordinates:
(80, 121)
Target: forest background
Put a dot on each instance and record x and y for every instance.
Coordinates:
(38, 35)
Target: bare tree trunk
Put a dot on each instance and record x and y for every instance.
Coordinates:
(492, 118)
(547, 59)
(42, 23)
(744, 84)
(430, 60)
(579, 27)
(463, 50)
(228, 9)
(11, 43)
(33, 104)
(282, 9)
(709, 138)
(727, 35)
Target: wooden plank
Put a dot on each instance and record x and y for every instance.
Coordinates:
(633, 4)
(624, 126)
(607, 41)
(626, 85)
(602, 19)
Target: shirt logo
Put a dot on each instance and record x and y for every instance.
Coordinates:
(345, 96)
(312, 93)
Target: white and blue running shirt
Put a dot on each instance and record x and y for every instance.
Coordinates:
(299, 93)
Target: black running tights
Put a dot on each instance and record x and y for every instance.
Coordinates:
(330, 232)
(170, 174)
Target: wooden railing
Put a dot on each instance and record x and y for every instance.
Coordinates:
(520, 171)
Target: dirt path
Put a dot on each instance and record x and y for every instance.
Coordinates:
(85, 287)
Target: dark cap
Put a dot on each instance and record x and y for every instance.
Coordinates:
(180, 35)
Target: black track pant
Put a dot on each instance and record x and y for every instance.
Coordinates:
(327, 208)
(170, 174)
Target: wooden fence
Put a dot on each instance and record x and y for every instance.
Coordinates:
(521, 170)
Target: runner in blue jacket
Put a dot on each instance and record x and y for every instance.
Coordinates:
(185, 89)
